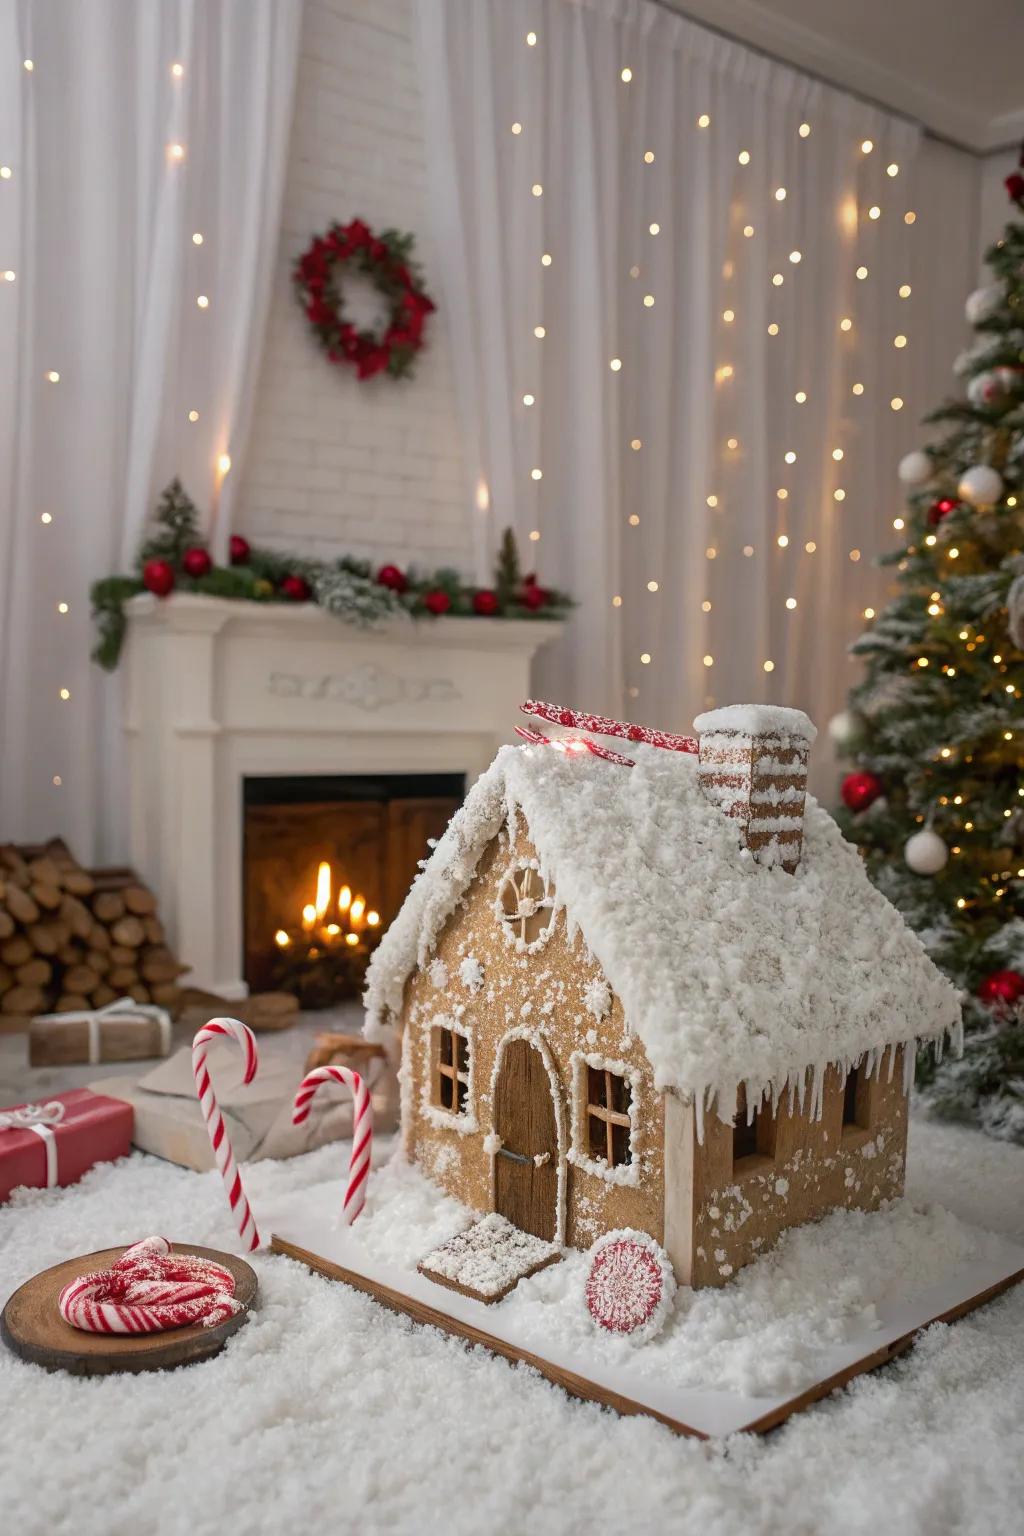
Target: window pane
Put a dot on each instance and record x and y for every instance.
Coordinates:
(596, 1087)
(446, 1047)
(620, 1145)
(620, 1094)
(462, 1046)
(850, 1097)
(597, 1143)
(446, 1091)
(462, 1090)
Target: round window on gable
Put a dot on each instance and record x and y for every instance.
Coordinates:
(527, 907)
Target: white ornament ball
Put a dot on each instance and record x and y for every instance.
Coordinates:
(983, 303)
(842, 728)
(915, 468)
(981, 485)
(926, 853)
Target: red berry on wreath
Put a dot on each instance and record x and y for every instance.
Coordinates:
(532, 596)
(485, 602)
(631, 1285)
(158, 577)
(859, 790)
(391, 576)
(437, 602)
(239, 550)
(196, 561)
(1005, 987)
(940, 509)
(297, 588)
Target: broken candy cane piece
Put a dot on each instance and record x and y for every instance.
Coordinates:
(362, 1129)
(148, 1290)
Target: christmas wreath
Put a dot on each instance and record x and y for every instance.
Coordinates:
(174, 557)
(385, 259)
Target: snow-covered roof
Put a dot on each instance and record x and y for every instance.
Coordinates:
(727, 970)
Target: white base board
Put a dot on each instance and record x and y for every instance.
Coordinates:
(314, 1236)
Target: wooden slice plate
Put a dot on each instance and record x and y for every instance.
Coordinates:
(33, 1328)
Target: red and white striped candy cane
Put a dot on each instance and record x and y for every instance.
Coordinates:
(149, 1289)
(573, 744)
(602, 725)
(225, 1158)
(362, 1129)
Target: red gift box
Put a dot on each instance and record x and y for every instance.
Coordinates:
(62, 1144)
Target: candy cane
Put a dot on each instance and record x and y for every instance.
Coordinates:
(601, 725)
(362, 1129)
(573, 744)
(149, 1289)
(219, 1139)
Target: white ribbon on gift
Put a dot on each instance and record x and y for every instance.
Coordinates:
(122, 1007)
(40, 1118)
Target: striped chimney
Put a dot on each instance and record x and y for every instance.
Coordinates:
(753, 766)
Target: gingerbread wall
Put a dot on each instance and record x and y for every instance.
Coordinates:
(542, 994)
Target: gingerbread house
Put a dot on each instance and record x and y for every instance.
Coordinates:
(662, 996)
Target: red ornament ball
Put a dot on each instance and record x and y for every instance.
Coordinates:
(437, 602)
(859, 790)
(391, 576)
(197, 562)
(1002, 987)
(485, 602)
(297, 589)
(532, 596)
(630, 1286)
(158, 577)
(239, 549)
(940, 509)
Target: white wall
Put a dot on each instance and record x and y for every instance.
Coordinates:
(336, 465)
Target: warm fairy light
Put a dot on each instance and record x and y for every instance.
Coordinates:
(712, 501)
(53, 376)
(780, 194)
(773, 329)
(790, 602)
(655, 229)
(202, 301)
(65, 694)
(744, 157)
(782, 541)
(652, 586)
(899, 341)
(839, 494)
(934, 609)
(62, 607)
(344, 898)
(534, 535)
(800, 396)
(648, 300)
(57, 780)
(777, 279)
(645, 658)
(922, 661)
(711, 552)
(615, 363)
(896, 403)
(536, 474)
(790, 457)
(281, 939)
(861, 273)
(649, 157)
(332, 930)
(223, 463)
(892, 170)
(930, 539)
(539, 332)
(46, 517)
(796, 257)
(837, 454)
(724, 372)
(866, 147)
(782, 494)
(177, 70)
(945, 752)
(1011, 501)
(909, 217)
(874, 212)
(372, 919)
(748, 230)
(531, 39)
(517, 127)
(193, 415)
(636, 445)
(634, 519)
(5, 173)
(545, 260)
(704, 121)
(846, 324)
(810, 546)
(869, 613)
(705, 606)
(905, 290)
(709, 661)
(537, 189)
(954, 554)
(29, 65)
(626, 75)
(528, 399)
(176, 151)
(732, 442)
(728, 315)
(898, 524)
(961, 903)
(857, 389)
(352, 939)
(616, 601)
(804, 130)
(769, 666)
(9, 276)
(748, 550)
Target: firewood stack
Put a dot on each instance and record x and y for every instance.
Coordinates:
(71, 938)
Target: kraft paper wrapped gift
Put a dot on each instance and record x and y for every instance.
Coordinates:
(258, 1115)
(122, 1031)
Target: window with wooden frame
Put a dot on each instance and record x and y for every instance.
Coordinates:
(449, 1070)
(527, 905)
(857, 1100)
(753, 1136)
(607, 1127)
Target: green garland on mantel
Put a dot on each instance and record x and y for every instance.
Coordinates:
(174, 558)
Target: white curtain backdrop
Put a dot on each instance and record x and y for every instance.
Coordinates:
(146, 142)
(682, 223)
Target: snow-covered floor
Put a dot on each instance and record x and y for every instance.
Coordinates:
(326, 1408)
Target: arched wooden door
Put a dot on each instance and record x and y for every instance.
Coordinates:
(526, 1165)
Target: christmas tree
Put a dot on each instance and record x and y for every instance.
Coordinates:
(936, 728)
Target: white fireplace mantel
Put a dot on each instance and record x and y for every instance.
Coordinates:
(221, 690)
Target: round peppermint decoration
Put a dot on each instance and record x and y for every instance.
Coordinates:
(631, 1285)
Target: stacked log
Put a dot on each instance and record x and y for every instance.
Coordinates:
(71, 938)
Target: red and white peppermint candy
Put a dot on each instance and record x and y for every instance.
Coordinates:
(234, 1029)
(362, 1129)
(631, 1285)
(148, 1290)
(602, 725)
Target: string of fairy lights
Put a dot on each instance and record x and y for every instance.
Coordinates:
(176, 157)
(725, 373)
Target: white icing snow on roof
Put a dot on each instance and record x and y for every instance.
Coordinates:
(727, 970)
(757, 720)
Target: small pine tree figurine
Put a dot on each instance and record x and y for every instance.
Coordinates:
(508, 576)
(936, 729)
(175, 527)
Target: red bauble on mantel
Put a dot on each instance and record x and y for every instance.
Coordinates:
(485, 602)
(297, 589)
(859, 790)
(158, 577)
(196, 561)
(437, 602)
(238, 550)
(1006, 987)
(532, 596)
(390, 576)
(940, 509)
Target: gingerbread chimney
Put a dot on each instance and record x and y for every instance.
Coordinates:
(753, 766)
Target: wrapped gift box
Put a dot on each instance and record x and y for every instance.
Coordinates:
(58, 1139)
(258, 1115)
(122, 1031)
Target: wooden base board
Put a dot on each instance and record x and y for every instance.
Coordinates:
(698, 1412)
(33, 1328)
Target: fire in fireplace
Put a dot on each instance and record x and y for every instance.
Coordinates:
(327, 864)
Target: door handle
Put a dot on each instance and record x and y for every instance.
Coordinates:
(517, 1157)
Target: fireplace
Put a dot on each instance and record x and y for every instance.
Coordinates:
(326, 864)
